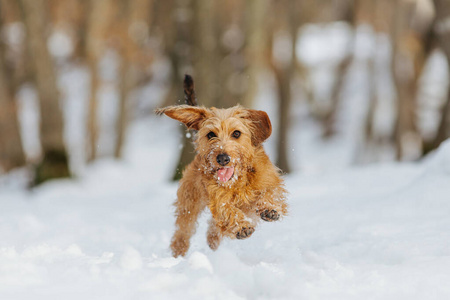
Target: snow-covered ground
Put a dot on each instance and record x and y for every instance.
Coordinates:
(373, 232)
(378, 232)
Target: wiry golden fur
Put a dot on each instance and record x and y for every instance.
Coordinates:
(255, 189)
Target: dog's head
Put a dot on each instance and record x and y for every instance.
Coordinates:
(226, 139)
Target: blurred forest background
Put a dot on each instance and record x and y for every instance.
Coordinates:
(314, 53)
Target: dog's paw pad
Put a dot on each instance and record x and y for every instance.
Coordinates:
(270, 215)
(245, 232)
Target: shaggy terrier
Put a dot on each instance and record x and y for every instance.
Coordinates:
(231, 175)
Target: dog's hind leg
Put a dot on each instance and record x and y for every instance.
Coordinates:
(189, 205)
(213, 236)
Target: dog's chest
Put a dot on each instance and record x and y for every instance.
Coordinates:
(238, 196)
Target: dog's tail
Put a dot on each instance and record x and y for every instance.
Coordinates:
(189, 92)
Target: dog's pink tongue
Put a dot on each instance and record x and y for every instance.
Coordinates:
(225, 174)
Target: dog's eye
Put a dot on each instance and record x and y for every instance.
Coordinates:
(211, 135)
(236, 134)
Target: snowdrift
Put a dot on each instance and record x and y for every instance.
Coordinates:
(378, 232)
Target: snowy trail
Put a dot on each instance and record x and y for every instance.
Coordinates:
(378, 232)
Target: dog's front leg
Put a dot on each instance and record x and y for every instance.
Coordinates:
(271, 204)
(189, 205)
(231, 221)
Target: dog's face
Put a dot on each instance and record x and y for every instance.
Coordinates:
(226, 139)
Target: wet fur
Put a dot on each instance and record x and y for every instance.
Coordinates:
(255, 191)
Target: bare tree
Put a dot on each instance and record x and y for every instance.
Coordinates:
(341, 71)
(205, 52)
(133, 30)
(284, 69)
(55, 161)
(205, 63)
(178, 38)
(442, 8)
(175, 32)
(370, 12)
(98, 24)
(405, 78)
(256, 45)
(11, 151)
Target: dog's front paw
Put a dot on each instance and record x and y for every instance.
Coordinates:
(245, 232)
(270, 215)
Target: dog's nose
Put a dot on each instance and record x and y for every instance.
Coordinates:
(223, 159)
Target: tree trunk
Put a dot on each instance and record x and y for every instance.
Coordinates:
(205, 47)
(11, 150)
(99, 21)
(341, 73)
(122, 118)
(442, 8)
(284, 98)
(284, 73)
(256, 33)
(336, 93)
(443, 131)
(368, 11)
(55, 160)
(137, 15)
(405, 79)
(206, 73)
(180, 34)
(92, 119)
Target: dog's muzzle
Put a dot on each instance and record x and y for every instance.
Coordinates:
(224, 174)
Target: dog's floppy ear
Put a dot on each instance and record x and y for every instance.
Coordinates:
(191, 116)
(260, 125)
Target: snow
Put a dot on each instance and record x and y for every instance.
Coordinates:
(378, 232)
(374, 232)
(60, 44)
(323, 43)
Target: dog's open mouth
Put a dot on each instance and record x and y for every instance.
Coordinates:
(225, 174)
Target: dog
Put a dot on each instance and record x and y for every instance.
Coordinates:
(231, 175)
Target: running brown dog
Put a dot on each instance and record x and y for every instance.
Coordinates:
(231, 175)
